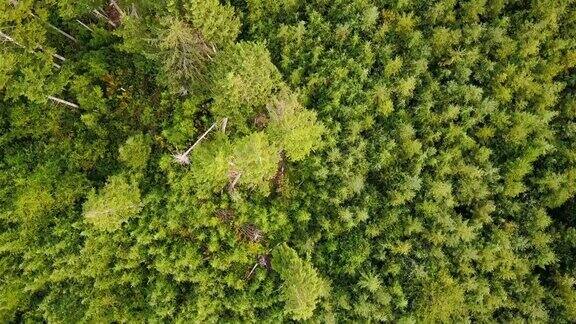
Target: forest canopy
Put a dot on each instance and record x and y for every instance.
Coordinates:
(287, 160)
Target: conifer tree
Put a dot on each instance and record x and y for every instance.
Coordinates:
(186, 55)
(302, 286)
(222, 161)
(114, 204)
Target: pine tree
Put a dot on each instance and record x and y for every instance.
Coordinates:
(243, 80)
(113, 205)
(135, 152)
(302, 286)
(186, 55)
(292, 126)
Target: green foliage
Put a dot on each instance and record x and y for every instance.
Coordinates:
(567, 295)
(211, 165)
(217, 23)
(293, 127)
(223, 161)
(113, 205)
(243, 80)
(135, 152)
(302, 287)
(186, 55)
(256, 160)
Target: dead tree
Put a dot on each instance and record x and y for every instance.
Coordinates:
(10, 39)
(278, 179)
(183, 158)
(133, 11)
(251, 233)
(62, 101)
(100, 15)
(114, 13)
(263, 261)
(114, 4)
(234, 176)
(249, 274)
(260, 121)
(84, 25)
(65, 34)
(225, 215)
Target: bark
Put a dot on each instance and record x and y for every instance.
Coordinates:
(232, 185)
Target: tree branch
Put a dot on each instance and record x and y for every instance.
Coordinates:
(58, 100)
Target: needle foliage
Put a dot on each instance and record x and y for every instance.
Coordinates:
(202, 161)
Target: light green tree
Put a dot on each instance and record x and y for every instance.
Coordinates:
(135, 152)
(185, 55)
(255, 161)
(302, 286)
(114, 204)
(243, 80)
(293, 127)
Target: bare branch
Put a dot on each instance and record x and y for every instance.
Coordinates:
(84, 25)
(117, 7)
(101, 15)
(10, 39)
(183, 157)
(60, 57)
(134, 11)
(65, 34)
(264, 261)
(251, 233)
(234, 182)
(58, 100)
(224, 123)
(200, 138)
(251, 271)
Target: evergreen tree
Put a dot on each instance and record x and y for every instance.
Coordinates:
(223, 161)
(114, 204)
(302, 287)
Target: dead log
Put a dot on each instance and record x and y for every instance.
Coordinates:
(182, 158)
(62, 101)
